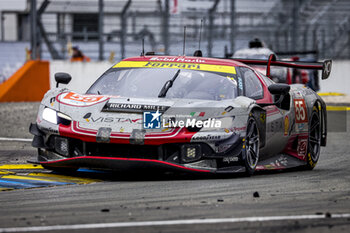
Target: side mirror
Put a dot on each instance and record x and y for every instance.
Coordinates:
(279, 89)
(63, 78)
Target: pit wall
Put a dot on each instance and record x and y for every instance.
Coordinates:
(339, 80)
(28, 83)
(84, 74)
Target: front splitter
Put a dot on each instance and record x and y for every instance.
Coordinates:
(117, 163)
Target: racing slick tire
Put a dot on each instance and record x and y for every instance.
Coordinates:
(314, 140)
(250, 151)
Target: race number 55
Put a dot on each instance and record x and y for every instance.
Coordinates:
(300, 111)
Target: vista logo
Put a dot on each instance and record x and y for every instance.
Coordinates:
(90, 118)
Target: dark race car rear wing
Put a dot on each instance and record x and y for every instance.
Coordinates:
(325, 66)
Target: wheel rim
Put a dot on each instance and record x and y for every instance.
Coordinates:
(252, 144)
(315, 137)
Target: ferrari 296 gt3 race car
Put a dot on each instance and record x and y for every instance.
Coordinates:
(184, 113)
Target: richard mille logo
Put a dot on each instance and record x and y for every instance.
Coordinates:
(119, 107)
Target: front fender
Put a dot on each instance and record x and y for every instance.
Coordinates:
(260, 116)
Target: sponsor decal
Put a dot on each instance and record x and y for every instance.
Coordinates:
(125, 107)
(207, 137)
(275, 126)
(209, 123)
(176, 65)
(300, 111)
(262, 117)
(152, 120)
(269, 166)
(302, 147)
(82, 98)
(228, 109)
(286, 125)
(240, 83)
(50, 130)
(298, 94)
(300, 127)
(282, 161)
(173, 65)
(231, 79)
(87, 116)
(112, 119)
(52, 101)
(235, 129)
(194, 114)
(222, 148)
(310, 161)
(177, 59)
(75, 99)
(230, 159)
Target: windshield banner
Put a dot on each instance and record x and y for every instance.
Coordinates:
(176, 65)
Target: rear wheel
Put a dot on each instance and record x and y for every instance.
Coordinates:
(314, 141)
(250, 152)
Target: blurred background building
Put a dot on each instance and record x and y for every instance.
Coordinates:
(114, 29)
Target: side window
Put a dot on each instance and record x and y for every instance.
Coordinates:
(267, 80)
(253, 87)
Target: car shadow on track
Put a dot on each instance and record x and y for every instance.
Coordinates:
(151, 175)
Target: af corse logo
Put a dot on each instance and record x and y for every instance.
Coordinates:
(151, 120)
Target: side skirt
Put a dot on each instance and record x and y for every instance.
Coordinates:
(279, 162)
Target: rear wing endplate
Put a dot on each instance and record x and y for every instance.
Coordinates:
(325, 66)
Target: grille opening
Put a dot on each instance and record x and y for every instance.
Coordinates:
(164, 152)
(122, 150)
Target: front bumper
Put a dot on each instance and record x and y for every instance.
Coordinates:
(62, 151)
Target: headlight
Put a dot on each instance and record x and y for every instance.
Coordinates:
(190, 152)
(55, 117)
(50, 115)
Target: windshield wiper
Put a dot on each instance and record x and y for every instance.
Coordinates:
(167, 85)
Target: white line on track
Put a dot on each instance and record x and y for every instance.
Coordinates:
(168, 222)
(16, 139)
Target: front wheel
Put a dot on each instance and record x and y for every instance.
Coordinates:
(250, 151)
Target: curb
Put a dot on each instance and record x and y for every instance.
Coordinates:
(330, 94)
(338, 108)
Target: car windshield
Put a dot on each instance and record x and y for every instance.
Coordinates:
(148, 82)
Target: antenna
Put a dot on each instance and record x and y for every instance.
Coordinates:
(184, 41)
(198, 53)
(200, 35)
(143, 47)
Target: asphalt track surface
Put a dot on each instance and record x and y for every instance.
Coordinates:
(293, 201)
